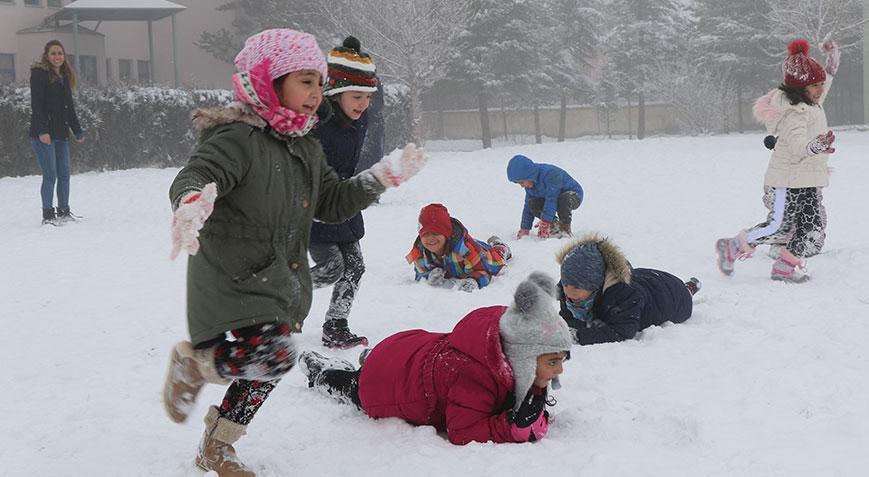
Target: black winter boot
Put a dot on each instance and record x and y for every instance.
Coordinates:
(48, 216)
(693, 285)
(336, 334)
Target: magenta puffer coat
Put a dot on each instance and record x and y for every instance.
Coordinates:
(458, 382)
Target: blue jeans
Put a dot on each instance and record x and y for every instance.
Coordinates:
(54, 161)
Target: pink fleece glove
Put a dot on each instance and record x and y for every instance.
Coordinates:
(391, 173)
(522, 233)
(536, 431)
(544, 229)
(194, 210)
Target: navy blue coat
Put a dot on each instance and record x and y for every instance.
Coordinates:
(342, 141)
(621, 310)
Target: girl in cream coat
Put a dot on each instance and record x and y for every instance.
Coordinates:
(798, 168)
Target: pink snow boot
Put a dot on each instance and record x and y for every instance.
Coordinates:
(789, 268)
(730, 250)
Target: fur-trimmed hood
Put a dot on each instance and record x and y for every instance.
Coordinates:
(770, 109)
(207, 118)
(618, 269)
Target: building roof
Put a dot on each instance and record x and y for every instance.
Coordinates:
(51, 28)
(118, 10)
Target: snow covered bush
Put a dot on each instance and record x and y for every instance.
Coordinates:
(126, 127)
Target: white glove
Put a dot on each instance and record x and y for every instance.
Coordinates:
(832, 50)
(392, 173)
(190, 217)
(467, 285)
(436, 278)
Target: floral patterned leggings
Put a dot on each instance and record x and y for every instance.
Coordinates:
(256, 360)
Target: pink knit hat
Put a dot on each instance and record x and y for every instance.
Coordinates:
(288, 50)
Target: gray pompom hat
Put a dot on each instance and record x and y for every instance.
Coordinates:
(531, 327)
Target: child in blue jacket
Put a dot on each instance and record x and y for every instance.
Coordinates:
(551, 195)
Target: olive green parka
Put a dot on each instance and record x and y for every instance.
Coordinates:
(252, 264)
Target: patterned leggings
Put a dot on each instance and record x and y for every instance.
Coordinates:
(340, 264)
(257, 359)
(797, 220)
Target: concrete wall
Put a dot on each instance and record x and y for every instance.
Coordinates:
(580, 121)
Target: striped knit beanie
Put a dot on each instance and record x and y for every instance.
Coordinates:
(350, 69)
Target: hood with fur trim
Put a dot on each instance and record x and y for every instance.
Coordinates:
(771, 108)
(207, 118)
(618, 269)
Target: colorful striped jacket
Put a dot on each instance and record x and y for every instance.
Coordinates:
(466, 257)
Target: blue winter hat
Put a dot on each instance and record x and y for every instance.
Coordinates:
(583, 267)
(520, 168)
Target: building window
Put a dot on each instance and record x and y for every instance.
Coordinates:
(33, 3)
(55, 3)
(125, 70)
(7, 68)
(144, 70)
(87, 69)
(109, 70)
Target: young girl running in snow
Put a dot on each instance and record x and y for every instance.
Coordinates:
(243, 211)
(445, 254)
(485, 381)
(798, 168)
(335, 247)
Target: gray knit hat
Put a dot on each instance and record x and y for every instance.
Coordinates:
(584, 267)
(532, 327)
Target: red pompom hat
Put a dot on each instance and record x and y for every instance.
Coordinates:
(435, 218)
(800, 69)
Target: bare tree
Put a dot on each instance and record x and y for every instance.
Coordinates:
(410, 39)
(816, 19)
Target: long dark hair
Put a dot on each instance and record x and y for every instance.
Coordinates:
(65, 69)
(796, 95)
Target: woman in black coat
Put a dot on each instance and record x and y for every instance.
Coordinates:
(52, 116)
(603, 299)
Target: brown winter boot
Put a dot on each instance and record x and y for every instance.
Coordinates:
(189, 370)
(215, 450)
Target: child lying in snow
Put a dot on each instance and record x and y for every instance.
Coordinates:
(484, 381)
(447, 256)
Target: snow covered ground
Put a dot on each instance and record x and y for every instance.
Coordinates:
(766, 379)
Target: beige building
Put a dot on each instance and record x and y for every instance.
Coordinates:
(116, 51)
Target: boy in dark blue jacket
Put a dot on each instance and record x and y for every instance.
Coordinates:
(335, 247)
(550, 193)
(603, 299)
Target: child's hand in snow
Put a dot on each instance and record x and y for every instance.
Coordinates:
(392, 173)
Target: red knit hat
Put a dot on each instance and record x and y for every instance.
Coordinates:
(800, 69)
(435, 218)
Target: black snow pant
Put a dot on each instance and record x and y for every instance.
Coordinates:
(256, 360)
(568, 201)
(340, 264)
(796, 220)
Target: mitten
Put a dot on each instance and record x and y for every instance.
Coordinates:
(467, 285)
(822, 143)
(189, 218)
(391, 173)
(436, 277)
(522, 233)
(832, 49)
(530, 422)
(543, 229)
